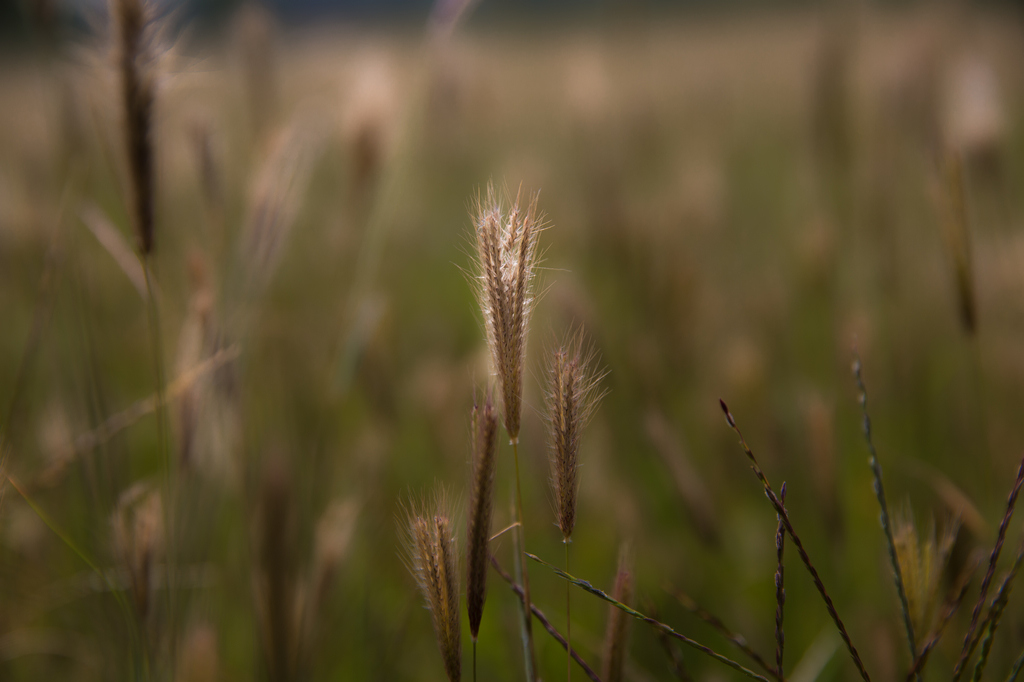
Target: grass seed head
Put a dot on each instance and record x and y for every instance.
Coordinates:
(922, 561)
(481, 506)
(506, 240)
(133, 31)
(572, 397)
(433, 560)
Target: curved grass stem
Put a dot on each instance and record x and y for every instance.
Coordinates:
(662, 627)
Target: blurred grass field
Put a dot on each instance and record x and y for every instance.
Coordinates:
(736, 203)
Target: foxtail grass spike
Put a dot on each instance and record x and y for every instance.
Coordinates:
(780, 589)
(804, 557)
(573, 396)
(543, 620)
(506, 240)
(970, 640)
(661, 627)
(481, 506)
(433, 561)
(876, 471)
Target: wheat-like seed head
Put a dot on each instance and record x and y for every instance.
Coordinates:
(922, 561)
(132, 27)
(572, 397)
(481, 506)
(433, 560)
(506, 242)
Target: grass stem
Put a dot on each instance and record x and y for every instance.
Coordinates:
(876, 471)
(662, 627)
(780, 510)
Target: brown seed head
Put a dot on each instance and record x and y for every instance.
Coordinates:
(507, 253)
(481, 505)
(433, 561)
(132, 28)
(573, 395)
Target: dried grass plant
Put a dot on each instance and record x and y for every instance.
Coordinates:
(433, 561)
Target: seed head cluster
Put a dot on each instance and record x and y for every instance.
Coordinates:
(572, 397)
(434, 564)
(506, 240)
(481, 505)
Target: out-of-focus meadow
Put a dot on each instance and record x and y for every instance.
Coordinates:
(735, 203)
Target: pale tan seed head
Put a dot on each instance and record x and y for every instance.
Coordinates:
(139, 541)
(573, 395)
(481, 506)
(506, 240)
(922, 561)
(433, 561)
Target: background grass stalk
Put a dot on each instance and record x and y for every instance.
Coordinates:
(780, 589)
(995, 613)
(736, 639)
(781, 511)
(970, 640)
(876, 471)
(543, 620)
(662, 627)
(521, 573)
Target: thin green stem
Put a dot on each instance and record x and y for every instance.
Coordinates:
(568, 619)
(876, 471)
(601, 594)
(531, 665)
(1017, 665)
(474, 659)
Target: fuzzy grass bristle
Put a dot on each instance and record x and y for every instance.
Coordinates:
(506, 240)
(922, 561)
(573, 396)
(433, 561)
(481, 506)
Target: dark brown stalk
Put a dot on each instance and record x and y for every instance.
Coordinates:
(615, 637)
(276, 563)
(970, 640)
(736, 639)
(481, 505)
(131, 21)
(780, 589)
(542, 619)
(781, 511)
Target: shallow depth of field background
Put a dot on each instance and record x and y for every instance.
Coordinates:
(736, 200)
